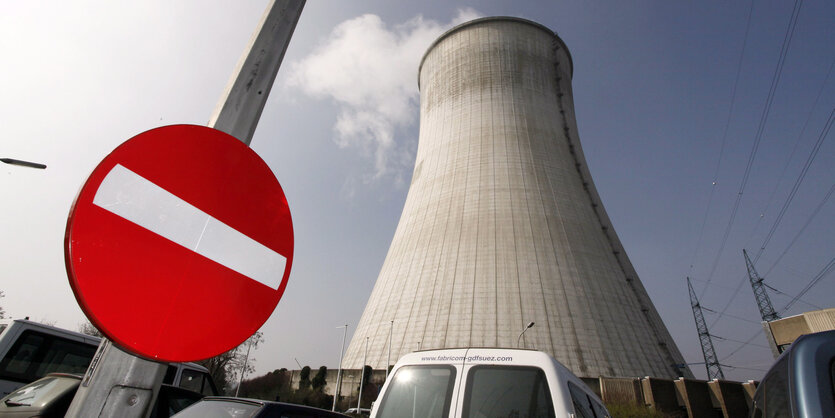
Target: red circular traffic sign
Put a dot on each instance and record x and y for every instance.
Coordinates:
(179, 245)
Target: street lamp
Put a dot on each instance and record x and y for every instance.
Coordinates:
(22, 163)
(529, 326)
(339, 374)
(362, 375)
(243, 370)
(388, 359)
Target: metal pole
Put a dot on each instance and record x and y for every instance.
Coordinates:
(388, 359)
(243, 370)
(118, 384)
(339, 374)
(240, 107)
(362, 375)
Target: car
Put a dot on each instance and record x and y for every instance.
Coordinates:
(230, 407)
(358, 411)
(484, 382)
(801, 382)
(51, 395)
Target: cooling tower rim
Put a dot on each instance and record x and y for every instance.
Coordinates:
(493, 19)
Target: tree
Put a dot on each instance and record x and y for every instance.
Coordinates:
(320, 379)
(369, 388)
(226, 368)
(304, 378)
(88, 328)
(274, 385)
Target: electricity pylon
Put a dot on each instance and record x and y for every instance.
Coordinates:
(763, 301)
(714, 369)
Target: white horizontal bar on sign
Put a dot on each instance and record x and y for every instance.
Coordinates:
(138, 200)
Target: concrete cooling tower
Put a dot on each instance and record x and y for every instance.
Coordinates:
(502, 224)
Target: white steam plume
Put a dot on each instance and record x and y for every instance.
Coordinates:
(370, 71)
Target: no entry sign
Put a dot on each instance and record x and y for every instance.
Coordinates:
(180, 243)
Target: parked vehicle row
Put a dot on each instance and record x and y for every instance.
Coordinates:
(30, 350)
(51, 395)
(41, 367)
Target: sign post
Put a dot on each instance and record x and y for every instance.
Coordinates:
(125, 385)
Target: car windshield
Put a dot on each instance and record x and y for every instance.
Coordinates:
(38, 391)
(220, 409)
(419, 392)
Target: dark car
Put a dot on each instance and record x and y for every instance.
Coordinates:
(226, 407)
(800, 383)
(51, 395)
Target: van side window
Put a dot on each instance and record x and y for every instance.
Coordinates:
(35, 354)
(507, 391)
(583, 406)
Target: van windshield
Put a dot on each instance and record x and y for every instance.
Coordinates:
(419, 392)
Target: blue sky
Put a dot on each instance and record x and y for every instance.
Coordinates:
(653, 85)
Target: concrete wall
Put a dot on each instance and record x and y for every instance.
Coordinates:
(502, 224)
(681, 397)
(350, 381)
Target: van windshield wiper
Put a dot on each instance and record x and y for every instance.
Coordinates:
(9, 402)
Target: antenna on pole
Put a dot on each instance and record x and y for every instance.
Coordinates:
(763, 301)
(714, 369)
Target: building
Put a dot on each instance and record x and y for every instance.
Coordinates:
(782, 332)
(502, 224)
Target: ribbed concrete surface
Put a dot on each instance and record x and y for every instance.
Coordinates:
(502, 224)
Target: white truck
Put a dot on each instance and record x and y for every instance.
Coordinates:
(30, 350)
(484, 382)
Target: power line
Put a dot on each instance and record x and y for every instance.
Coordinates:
(738, 341)
(744, 368)
(744, 344)
(796, 146)
(775, 80)
(731, 316)
(724, 136)
(786, 294)
(815, 149)
(815, 280)
(799, 233)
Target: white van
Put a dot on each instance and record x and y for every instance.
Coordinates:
(30, 350)
(484, 382)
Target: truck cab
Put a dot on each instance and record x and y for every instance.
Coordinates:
(484, 382)
(30, 350)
